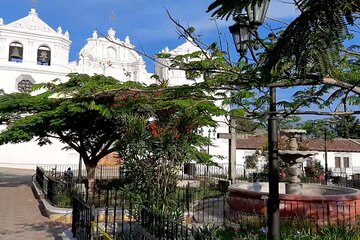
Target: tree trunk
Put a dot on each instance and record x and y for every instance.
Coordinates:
(90, 169)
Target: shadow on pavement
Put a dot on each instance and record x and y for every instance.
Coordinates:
(45, 228)
(12, 180)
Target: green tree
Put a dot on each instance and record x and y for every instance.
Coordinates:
(69, 112)
(317, 128)
(91, 114)
(289, 122)
(155, 150)
(311, 47)
(342, 126)
(244, 125)
(312, 40)
(347, 126)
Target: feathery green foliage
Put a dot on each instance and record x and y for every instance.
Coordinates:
(91, 114)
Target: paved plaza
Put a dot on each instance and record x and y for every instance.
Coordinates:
(21, 213)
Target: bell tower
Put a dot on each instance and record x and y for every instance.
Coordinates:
(32, 52)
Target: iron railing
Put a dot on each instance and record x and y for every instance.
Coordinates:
(201, 200)
(82, 219)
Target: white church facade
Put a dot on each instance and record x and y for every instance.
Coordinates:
(32, 52)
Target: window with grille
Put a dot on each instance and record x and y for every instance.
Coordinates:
(25, 86)
(337, 162)
(15, 52)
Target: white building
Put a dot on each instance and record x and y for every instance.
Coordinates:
(343, 155)
(33, 52)
(176, 77)
(114, 58)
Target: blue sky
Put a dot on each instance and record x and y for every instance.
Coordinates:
(144, 21)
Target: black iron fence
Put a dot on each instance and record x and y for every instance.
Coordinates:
(57, 182)
(56, 190)
(58, 171)
(201, 202)
(40, 177)
(201, 197)
(82, 219)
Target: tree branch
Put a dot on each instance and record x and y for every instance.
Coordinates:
(345, 85)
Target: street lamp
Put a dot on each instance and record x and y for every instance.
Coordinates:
(246, 24)
(241, 32)
(326, 158)
(210, 137)
(241, 35)
(326, 127)
(257, 12)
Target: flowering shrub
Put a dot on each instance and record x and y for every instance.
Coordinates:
(315, 171)
(157, 145)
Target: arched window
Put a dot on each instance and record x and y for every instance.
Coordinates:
(25, 86)
(16, 52)
(43, 56)
(111, 52)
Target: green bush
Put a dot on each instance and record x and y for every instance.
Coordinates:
(252, 231)
(64, 199)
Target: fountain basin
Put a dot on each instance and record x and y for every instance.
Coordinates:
(320, 203)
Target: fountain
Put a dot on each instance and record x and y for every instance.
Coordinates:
(320, 203)
(294, 159)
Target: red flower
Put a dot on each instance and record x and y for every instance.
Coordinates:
(158, 94)
(123, 98)
(155, 130)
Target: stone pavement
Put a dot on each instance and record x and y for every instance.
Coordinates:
(21, 214)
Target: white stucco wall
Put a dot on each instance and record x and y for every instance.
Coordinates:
(114, 58)
(32, 33)
(175, 77)
(354, 161)
(28, 155)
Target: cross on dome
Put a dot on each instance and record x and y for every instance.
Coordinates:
(112, 19)
(34, 3)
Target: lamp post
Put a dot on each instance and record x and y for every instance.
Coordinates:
(210, 137)
(326, 126)
(241, 31)
(326, 158)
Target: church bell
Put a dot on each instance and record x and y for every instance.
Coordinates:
(15, 53)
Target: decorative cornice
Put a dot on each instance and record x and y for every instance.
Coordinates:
(31, 69)
(27, 33)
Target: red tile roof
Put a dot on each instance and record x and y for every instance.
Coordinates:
(252, 142)
(335, 145)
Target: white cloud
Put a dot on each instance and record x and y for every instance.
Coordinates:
(282, 9)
